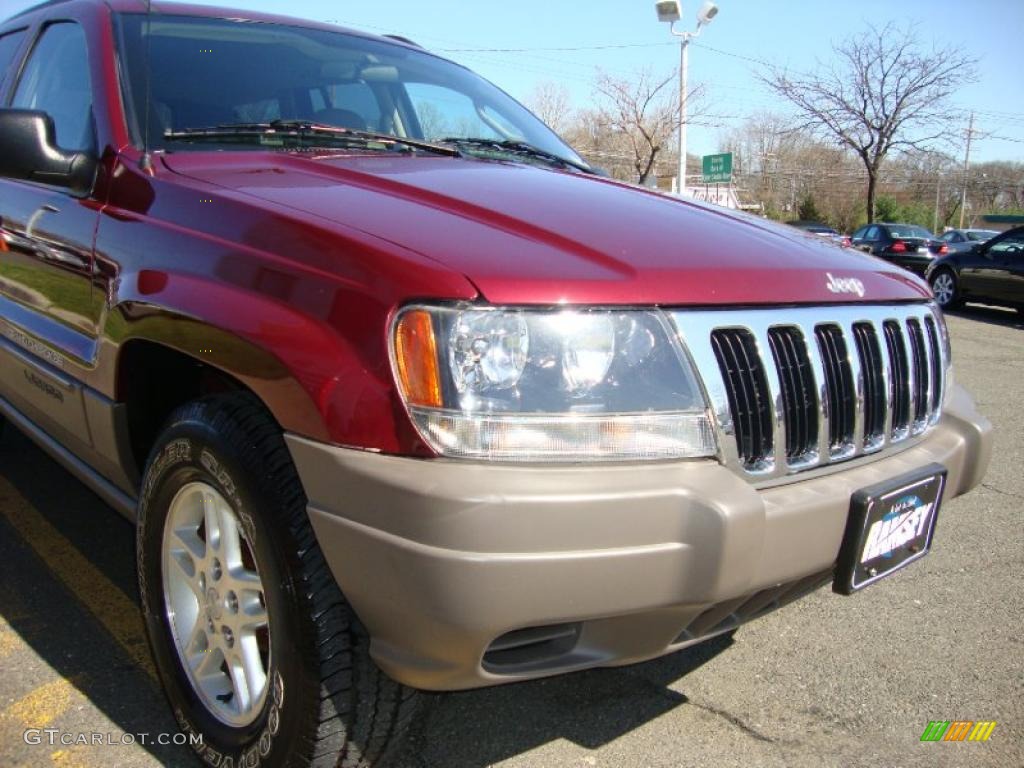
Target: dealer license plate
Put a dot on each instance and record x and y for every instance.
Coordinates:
(890, 525)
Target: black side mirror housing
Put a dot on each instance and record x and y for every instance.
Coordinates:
(29, 152)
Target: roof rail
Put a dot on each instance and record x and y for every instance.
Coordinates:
(405, 40)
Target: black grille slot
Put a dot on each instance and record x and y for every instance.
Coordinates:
(936, 367)
(798, 398)
(872, 368)
(922, 373)
(842, 400)
(531, 647)
(899, 372)
(747, 389)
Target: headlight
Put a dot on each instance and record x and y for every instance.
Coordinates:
(549, 386)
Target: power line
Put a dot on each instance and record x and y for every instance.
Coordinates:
(566, 49)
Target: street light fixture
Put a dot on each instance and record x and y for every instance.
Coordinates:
(671, 11)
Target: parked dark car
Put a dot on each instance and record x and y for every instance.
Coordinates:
(960, 240)
(822, 230)
(905, 245)
(990, 272)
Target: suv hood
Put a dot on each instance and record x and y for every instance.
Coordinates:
(527, 235)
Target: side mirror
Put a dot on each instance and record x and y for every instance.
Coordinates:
(29, 152)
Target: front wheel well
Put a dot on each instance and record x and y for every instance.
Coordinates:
(153, 380)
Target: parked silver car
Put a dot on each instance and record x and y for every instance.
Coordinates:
(961, 240)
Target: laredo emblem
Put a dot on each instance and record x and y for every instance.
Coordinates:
(905, 522)
(844, 285)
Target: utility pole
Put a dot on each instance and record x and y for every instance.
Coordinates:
(967, 161)
(938, 187)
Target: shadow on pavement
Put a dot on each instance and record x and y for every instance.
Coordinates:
(474, 729)
(467, 730)
(1008, 318)
(57, 627)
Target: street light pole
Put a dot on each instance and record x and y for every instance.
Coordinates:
(684, 48)
(671, 11)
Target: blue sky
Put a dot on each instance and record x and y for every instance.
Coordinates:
(797, 33)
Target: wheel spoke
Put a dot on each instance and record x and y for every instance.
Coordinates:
(186, 563)
(211, 516)
(210, 666)
(240, 684)
(252, 612)
(197, 648)
(188, 540)
(252, 665)
(244, 579)
(230, 538)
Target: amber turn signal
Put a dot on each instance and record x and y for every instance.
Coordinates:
(416, 359)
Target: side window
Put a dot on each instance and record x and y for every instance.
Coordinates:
(9, 45)
(871, 234)
(56, 81)
(1009, 246)
(859, 234)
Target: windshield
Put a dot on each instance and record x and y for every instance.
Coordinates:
(209, 72)
(910, 231)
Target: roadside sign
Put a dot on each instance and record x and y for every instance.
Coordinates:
(718, 169)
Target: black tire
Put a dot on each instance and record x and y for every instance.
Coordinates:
(955, 300)
(327, 703)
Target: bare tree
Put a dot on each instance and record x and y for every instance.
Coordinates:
(644, 111)
(881, 94)
(552, 103)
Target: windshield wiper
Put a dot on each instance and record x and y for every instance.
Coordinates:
(299, 132)
(521, 148)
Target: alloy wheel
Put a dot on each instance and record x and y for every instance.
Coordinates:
(943, 288)
(215, 604)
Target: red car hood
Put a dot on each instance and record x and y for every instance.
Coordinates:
(526, 235)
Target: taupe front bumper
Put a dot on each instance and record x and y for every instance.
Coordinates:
(581, 566)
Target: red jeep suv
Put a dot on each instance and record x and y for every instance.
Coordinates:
(400, 393)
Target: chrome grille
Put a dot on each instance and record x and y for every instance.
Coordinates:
(922, 372)
(899, 379)
(839, 386)
(747, 390)
(935, 356)
(799, 401)
(873, 371)
(797, 388)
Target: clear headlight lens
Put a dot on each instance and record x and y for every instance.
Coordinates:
(551, 386)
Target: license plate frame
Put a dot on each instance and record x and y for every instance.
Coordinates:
(889, 526)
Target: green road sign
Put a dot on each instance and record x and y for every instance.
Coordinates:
(718, 169)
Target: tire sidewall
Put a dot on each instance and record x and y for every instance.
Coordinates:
(193, 451)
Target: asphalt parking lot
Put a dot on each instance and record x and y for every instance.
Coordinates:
(828, 681)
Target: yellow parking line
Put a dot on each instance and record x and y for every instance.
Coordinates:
(119, 614)
(44, 705)
(10, 641)
(69, 758)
